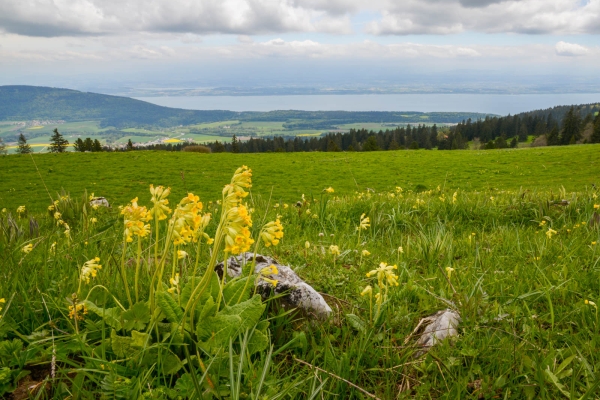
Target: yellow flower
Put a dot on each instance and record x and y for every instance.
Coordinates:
(385, 274)
(92, 196)
(491, 198)
(50, 207)
(53, 248)
(334, 250)
(454, 197)
(237, 232)
(271, 233)
(78, 311)
(159, 200)
(307, 245)
(174, 284)
(90, 269)
(27, 248)
(550, 233)
(181, 254)
(93, 220)
(543, 222)
(285, 206)
(593, 243)
(366, 253)
(21, 210)
(367, 290)
(590, 303)
(270, 270)
(596, 206)
(398, 189)
(308, 211)
(2, 301)
(67, 230)
(364, 223)
(235, 191)
(134, 218)
(4, 211)
(449, 271)
(276, 205)
(400, 250)
(271, 281)
(329, 190)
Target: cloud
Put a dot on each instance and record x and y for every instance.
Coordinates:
(570, 49)
(442, 17)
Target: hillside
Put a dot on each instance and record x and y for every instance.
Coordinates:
(18, 103)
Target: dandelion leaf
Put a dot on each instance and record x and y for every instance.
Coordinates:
(111, 316)
(137, 317)
(169, 307)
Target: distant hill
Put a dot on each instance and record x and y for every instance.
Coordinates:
(18, 103)
(32, 102)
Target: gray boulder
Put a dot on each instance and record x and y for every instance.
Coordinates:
(439, 326)
(99, 201)
(296, 293)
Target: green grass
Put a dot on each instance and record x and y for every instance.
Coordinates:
(120, 176)
(526, 331)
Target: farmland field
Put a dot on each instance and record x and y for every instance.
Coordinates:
(506, 239)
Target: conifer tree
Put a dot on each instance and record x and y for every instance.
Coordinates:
(23, 147)
(129, 145)
(371, 144)
(97, 146)
(596, 133)
(79, 145)
(235, 147)
(552, 138)
(571, 127)
(58, 144)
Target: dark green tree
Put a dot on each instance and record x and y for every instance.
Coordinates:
(79, 145)
(332, 146)
(58, 144)
(571, 127)
(97, 146)
(552, 138)
(393, 145)
(523, 133)
(235, 147)
(218, 147)
(596, 133)
(371, 144)
(414, 145)
(23, 147)
(129, 145)
(514, 143)
(501, 143)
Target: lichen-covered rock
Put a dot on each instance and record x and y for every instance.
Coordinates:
(297, 293)
(439, 326)
(99, 201)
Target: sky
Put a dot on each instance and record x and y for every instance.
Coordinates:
(111, 45)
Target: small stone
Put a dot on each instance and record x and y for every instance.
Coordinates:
(299, 294)
(99, 201)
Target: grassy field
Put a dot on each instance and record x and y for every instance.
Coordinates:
(507, 239)
(119, 176)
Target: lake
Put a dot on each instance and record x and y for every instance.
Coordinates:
(485, 103)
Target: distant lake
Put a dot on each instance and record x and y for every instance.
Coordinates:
(485, 103)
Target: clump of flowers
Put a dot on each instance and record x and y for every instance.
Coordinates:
(329, 190)
(77, 311)
(27, 248)
(271, 233)
(363, 224)
(551, 232)
(159, 210)
(386, 278)
(135, 217)
(21, 211)
(267, 272)
(90, 270)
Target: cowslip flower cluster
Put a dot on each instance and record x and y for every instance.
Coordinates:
(334, 250)
(78, 311)
(236, 216)
(187, 219)
(269, 271)
(90, 269)
(271, 233)
(385, 275)
(551, 232)
(21, 210)
(135, 217)
(159, 200)
(27, 248)
(364, 223)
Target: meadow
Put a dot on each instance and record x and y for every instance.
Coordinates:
(508, 239)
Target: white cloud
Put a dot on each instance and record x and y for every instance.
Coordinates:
(570, 49)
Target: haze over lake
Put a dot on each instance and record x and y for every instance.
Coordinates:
(485, 103)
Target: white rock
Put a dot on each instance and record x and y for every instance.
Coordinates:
(439, 326)
(99, 201)
(299, 294)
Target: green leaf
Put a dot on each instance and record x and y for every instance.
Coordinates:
(219, 328)
(169, 306)
(554, 379)
(212, 289)
(111, 316)
(171, 364)
(208, 309)
(139, 339)
(238, 290)
(121, 345)
(185, 386)
(356, 322)
(258, 342)
(137, 317)
(249, 311)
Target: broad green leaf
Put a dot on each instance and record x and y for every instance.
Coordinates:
(249, 311)
(137, 317)
(121, 345)
(185, 386)
(208, 309)
(140, 339)
(219, 328)
(553, 379)
(171, 363)
(356, 322)
(238, 290)
(111, 316)
(169, 306)
(258, 342)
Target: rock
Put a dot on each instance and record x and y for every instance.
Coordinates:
(99, 201)
(438, 327)
(297, 293)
